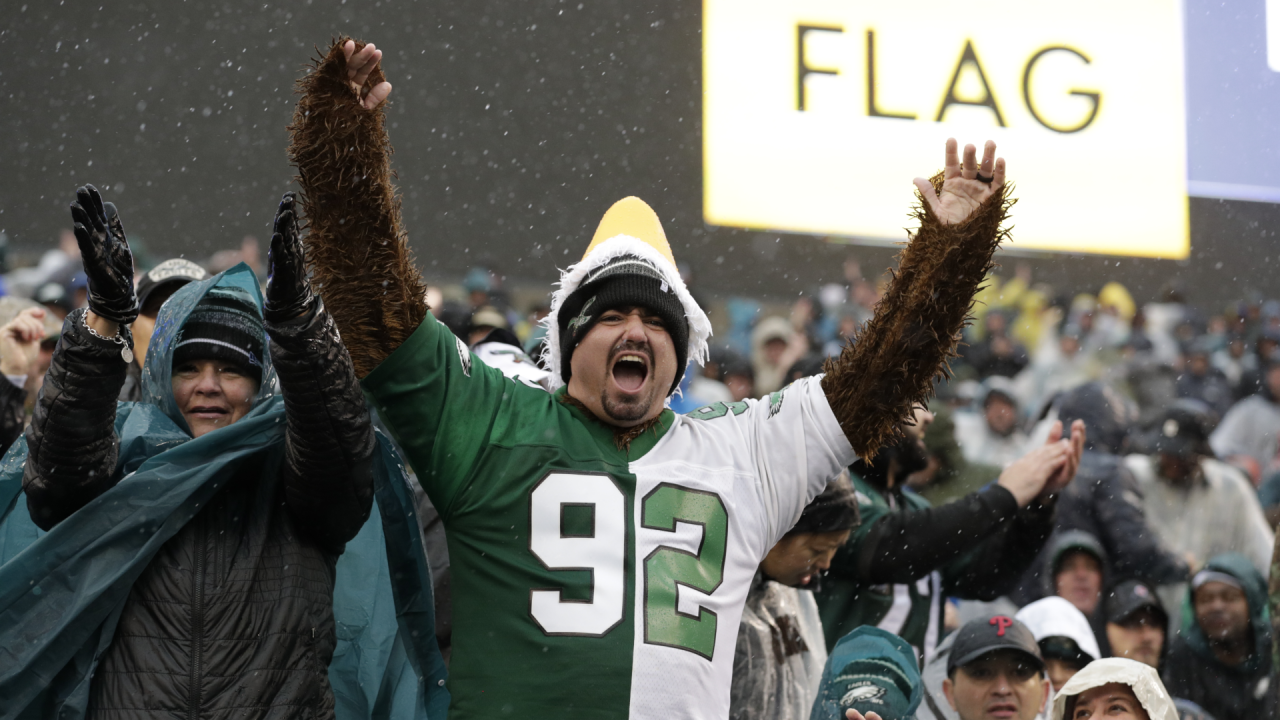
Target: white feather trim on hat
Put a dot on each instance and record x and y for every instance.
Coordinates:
(614, 247)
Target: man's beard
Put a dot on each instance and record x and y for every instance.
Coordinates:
(905, 456)
(912, 456)
(630, 408)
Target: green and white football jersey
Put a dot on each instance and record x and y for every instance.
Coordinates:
(591, 582)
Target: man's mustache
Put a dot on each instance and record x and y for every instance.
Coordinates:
(632, 346)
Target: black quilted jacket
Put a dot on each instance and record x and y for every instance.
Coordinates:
(233, 618)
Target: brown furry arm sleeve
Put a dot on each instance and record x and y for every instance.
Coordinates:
(889, 367)
(356, 247)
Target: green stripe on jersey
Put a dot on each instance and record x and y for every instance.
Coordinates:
(537, 503)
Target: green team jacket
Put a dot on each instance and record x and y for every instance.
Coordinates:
(588, 581)
(906, 557)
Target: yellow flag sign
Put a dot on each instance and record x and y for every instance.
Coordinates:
(818, 113)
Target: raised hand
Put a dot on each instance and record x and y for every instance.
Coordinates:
(20, 341)
(288, 290)
(1075, 447)
(360, 65)
(108, 262)
(852, 714)
(965, 186)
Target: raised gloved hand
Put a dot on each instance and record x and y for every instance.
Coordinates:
(108, 262)
(288, 290)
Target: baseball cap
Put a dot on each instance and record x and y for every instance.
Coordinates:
(870, 670)
(172, 273)
(1130, 597)
(986, 635)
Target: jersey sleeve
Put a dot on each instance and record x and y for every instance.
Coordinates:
(440, 404)
(796, 446)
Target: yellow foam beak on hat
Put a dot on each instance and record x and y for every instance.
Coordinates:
(632, 216)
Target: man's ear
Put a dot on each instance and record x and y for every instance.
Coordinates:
(948, 689)
(1045, 693)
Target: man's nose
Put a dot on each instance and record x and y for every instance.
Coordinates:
(634, 329)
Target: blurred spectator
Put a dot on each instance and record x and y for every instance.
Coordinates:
(153, 288)
(997, 353)
(1055, 370)
(1249, 434)
(478, 284)
(1265, 345)
(993, 438)
(1230, 360)
(1078, 572)
(1105, 500)
(27, 339)
(1197, 505)
(870, 670)
(777, 665)
(485, 320)
(706, 384)
(1136, 623)
(537, 331)
(948, 475)
(1221, 658)
(56, 298)
(775, 346)
(739, 378)
(1066, 641)
(1200, 380)
(1269, 498)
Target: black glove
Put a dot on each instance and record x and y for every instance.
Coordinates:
(108, 262)
(288, 290)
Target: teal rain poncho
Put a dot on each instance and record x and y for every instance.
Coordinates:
(61, 592)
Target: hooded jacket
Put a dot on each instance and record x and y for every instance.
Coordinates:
(1192, 671)
(770, 377)
(198, 576)
(1056, 617)
(1142, 679)
(1058, 545)
(1104, 499)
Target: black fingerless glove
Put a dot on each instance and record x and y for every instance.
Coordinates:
(108, 262)
(288, 290)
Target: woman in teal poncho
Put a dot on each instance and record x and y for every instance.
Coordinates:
(186, 553)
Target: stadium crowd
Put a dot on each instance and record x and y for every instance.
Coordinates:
(1079, 524)
(1159, 551)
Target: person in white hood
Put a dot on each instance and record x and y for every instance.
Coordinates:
(1066, 641)
(1116, 689)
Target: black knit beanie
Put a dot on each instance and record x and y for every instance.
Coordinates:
(226, 325)
(626, 281)
(835, 509)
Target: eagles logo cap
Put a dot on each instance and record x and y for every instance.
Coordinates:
(986, 635)
(870, 670)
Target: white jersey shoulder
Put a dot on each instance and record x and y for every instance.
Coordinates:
(756, 463)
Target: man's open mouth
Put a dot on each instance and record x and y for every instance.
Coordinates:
(630, 370)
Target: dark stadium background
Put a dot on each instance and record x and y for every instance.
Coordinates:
(515, 126)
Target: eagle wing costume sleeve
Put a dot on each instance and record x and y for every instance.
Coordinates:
(356, 245)
(889, 367)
